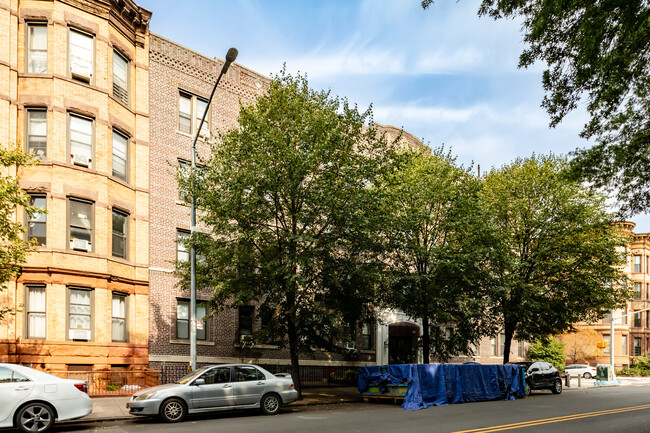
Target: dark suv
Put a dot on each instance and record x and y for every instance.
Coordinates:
(541, 375)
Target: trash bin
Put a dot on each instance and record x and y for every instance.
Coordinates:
(602, 372)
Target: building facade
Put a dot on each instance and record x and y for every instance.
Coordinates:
(75, 92)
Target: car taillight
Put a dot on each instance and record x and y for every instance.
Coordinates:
(291, 385)
(82, 387)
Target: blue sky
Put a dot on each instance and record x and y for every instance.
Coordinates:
(444, 74)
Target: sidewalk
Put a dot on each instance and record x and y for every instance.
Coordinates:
(114, 408)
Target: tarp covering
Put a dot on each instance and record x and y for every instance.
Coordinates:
(441, 384)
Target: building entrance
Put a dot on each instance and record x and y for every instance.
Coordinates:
(403, 343)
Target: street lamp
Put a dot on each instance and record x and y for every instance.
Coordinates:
(611, 338)
(230, 57)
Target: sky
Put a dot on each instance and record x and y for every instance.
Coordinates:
(445, 75)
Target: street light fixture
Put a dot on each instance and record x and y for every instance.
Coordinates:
(230, 57)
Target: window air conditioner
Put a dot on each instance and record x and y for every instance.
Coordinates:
(351, 347)
(79, 159)
(79, 334)
(80, 244)
(246, 339)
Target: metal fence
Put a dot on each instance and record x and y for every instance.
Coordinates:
(113, 383)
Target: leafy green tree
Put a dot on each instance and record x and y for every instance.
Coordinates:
(548, 349)
(13, 246)
(290, 202)
(436, 243)
(557, 258)
(598, 51)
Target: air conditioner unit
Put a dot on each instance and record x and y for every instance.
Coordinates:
(81, 70)
(204, 132)
(351, 347)
(246, 340)
(79, 159)
(79, 334)
(80, 244)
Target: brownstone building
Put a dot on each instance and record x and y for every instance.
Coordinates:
(75, 92)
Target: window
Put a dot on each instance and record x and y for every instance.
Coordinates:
(184, 170)
(637, 263)
(37, 133)
(448, 332)
(637, 290)
(608, 341)
(37, 222)
(120, 77)
(246, 315)
(493, 346)
(120, 156)
(217, 375)
(245, 373)
(182, 252)
(366, 336)
(80, 139)
(81, 224)
(36, 319)
(37, 48)
(9, 376)
(637, 347)
(80, 314)
(118, 318)
(502, 344)
(192, 107)
(521, 349)
(81, 51)
(637, 320)
(183, 320)
(120, 227)
(624, 344)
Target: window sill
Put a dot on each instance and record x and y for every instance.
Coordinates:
(256, 346)
(198, 342)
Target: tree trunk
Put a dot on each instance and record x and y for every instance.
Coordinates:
(426, 341)
(509, 332)
(293, 355)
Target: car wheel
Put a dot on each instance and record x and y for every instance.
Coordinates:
(173, 410)
(35, 417)
(270, 404)
(587, 376)
(557, 386)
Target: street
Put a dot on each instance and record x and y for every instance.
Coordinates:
(593, 410)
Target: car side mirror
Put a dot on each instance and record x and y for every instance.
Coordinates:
(199, 382)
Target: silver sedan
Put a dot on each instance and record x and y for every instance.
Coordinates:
(215, 388)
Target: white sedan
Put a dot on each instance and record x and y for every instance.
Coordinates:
(31, 400)
(583, 370)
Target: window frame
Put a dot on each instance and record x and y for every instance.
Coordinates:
(29, 50)
(124, 297)
(127, 140)
(28, 135)
(32, 220)
(366, 336)
(204, 331)
(125, 234)
(193, 115)
(636, 263)
(243, 318)
(637, 293)
(126, 98)
(91, 162)
(77, 77)
(69, 314)
(180, 248)
(30, 311)
(92, 222)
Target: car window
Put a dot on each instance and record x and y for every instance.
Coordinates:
(570, 367)
(244, 373)
(217, 375)
(7, 375)
(534, 365)
(547, 366)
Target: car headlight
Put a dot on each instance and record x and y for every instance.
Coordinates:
(146, 395)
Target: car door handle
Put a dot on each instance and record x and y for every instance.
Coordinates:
(227, 386)
(260, 383)
(22, 388)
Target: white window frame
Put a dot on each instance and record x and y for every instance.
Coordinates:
(91, 224)
(74, 312)
(31, 51)
(124, 236)
(35, 312)
(121, 85)
(121, 299)
(81, 145)
(180, 248)
(76, 68)
(37, 218)
(116, 157)
(30, 124)
(194, 115)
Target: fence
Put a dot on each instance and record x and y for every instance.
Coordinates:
(113, 383)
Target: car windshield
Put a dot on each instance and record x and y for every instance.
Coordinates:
(192, 375)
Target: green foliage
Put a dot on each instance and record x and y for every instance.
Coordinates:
(640, 367)
(289, 197)
(556, 260)
(13, 246)
(548, 349)
(597, 55)
(436, 243)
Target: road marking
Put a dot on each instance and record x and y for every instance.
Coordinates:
(556, 419)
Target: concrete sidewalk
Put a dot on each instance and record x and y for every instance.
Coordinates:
(114, 408)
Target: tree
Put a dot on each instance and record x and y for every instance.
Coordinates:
(548, 349)
(581, 345)
(598, 50)
(13, 246)
(557, 258)
(290, 201)
(436, 241)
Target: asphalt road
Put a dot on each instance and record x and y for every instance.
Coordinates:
(593, 410)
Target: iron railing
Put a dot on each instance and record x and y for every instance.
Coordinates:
(113, 383)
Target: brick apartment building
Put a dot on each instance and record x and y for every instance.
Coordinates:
(75, 92)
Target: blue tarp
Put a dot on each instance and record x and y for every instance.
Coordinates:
(441, 384)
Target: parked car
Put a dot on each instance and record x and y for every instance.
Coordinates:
(541, 375)
(583, 370)
(216, 388)
(31, 400)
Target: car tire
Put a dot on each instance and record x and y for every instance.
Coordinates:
(173, 410)
(557, 386)
(35, 417)
(270, 404)
(587, 376)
